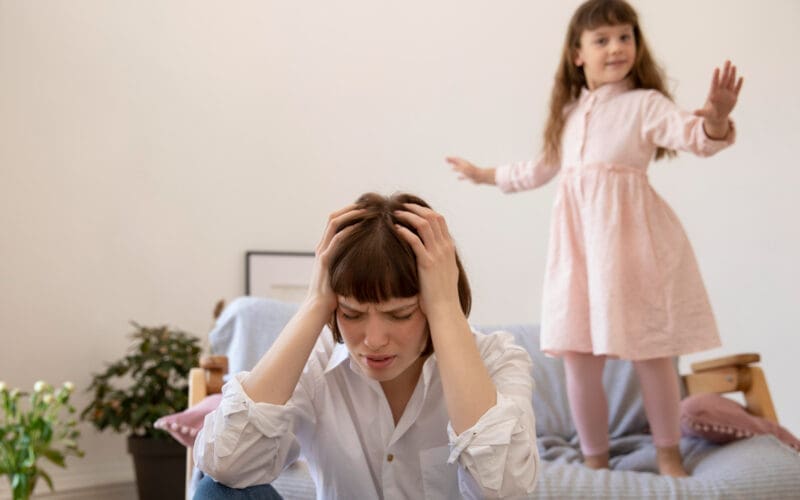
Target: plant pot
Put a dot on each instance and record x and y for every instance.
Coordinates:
(160, 467)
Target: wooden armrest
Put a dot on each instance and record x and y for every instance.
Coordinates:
(205, 380)
(734, 374)
(215, 367)
(732, 360)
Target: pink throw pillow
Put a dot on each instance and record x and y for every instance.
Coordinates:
(721, 420)
(185, 425)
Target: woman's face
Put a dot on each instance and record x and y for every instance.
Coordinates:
(385, 339)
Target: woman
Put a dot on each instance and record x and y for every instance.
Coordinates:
(400, 399)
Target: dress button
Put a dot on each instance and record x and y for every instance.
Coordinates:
(389, 457)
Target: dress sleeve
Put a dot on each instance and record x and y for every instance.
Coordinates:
(244, 443)
(666, 125)
(497, 456)
(524, 175)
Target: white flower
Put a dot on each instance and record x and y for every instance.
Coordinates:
(39, 386)
(2, 386)
(48, 398)
(69, 386)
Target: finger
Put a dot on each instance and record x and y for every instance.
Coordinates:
(739, 86)
(733, 78)
(701, 112)
(730, 78)
(336, 220)
(428, 231)
(725, 73)
(714, 81)
(412, 239)
(433, 217)
(455, 160)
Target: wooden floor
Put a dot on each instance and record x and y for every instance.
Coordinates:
(120, 491)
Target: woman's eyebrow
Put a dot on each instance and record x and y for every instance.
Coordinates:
(401, 308)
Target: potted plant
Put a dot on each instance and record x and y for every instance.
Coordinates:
(151, 381)
(40, 431)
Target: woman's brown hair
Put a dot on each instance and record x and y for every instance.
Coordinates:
(570, 79)
(374, 264)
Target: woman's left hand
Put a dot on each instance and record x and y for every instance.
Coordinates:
(436, 257)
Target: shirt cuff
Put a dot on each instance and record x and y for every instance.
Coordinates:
(271, 420)
(502, 178)
(711, 145)
(485, 444)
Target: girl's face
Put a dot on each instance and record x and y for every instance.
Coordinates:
(606, 54)
(385, 339)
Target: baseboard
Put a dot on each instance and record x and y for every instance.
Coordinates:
(83, 480)
(120, 491)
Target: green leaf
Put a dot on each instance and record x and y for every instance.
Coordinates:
(47, 479)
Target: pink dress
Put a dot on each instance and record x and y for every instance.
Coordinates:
(621, 277)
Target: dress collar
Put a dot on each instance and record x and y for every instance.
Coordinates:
(607, 91)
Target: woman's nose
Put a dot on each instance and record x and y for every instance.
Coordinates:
(375, 336)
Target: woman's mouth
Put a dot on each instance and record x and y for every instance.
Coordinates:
(379, 362)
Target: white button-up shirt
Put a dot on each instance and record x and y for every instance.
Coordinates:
(340, 421)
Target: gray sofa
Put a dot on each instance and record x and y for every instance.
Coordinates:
(758, 467)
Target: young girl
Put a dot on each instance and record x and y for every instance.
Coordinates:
(621, 279)
(400, 399)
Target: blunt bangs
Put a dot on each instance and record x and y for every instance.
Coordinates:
(605, 13)
(373, 264)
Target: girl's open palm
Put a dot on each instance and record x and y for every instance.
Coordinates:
(722, 95)
(465, 169)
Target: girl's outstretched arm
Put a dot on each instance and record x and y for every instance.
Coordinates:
(722, 97)
(467, 170)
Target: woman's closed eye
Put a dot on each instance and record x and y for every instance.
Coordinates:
(401, 317)
(351, 315)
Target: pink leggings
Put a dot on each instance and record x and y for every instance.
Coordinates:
(587, 400)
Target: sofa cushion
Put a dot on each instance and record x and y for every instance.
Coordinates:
(185, 425)
(722, 420)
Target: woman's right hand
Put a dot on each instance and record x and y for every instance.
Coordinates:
(320, 293)
(467, 170)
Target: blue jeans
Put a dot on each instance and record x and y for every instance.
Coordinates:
(208, 489)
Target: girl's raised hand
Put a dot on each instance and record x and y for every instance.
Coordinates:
(319, 288)
(722, 96)
(467, 170)
(436, 257)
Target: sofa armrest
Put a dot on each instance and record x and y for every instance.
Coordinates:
(734, 373)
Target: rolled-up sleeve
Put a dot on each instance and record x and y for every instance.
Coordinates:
(244, 443)
(524, 175)
(668, 126)
(498, 456)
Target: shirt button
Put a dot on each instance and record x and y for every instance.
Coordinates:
(389, 457)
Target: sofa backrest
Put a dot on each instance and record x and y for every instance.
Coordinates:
(249, 326)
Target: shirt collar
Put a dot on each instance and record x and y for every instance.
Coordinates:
(607, 91)
(338, 356)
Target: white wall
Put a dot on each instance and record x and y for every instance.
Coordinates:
(144, 146)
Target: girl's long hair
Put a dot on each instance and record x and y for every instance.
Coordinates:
(570, 79)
